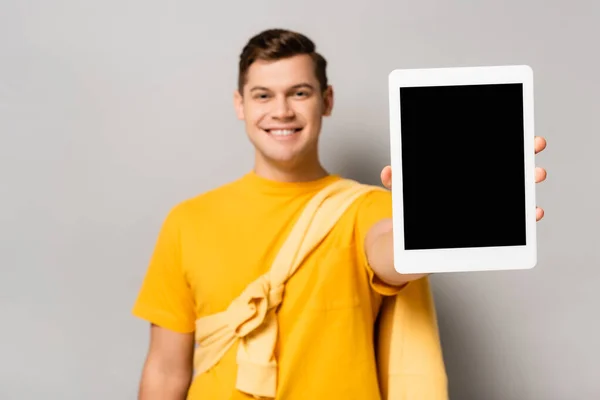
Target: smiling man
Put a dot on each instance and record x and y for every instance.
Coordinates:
(212, 246)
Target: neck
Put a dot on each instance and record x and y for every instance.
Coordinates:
(304, 171)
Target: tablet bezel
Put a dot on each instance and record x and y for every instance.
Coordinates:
(463, 259)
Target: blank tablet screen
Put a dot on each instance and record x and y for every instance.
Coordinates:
(463, 168)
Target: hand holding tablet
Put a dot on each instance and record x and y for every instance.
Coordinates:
(462, 152)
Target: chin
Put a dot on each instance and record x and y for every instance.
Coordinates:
(278, 158)
(283, 160)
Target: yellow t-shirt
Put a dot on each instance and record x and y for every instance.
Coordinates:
(212, 246)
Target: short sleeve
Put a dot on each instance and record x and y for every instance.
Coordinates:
(374, 207)
(165, 298)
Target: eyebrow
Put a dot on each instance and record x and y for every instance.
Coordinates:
(298, 86)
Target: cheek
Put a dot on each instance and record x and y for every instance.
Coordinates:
(254, 115)
(312, 113)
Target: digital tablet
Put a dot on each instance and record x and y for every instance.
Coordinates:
(463, 169)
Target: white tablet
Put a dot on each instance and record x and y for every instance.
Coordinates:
(463, 170)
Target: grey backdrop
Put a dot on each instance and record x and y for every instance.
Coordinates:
(111, 112)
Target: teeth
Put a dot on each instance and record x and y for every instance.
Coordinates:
(282, 132)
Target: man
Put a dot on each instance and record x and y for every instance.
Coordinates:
(212, 246)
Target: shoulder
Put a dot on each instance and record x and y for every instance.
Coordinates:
(377, 196)
(373, 206)
(203, 205)
(375, 199)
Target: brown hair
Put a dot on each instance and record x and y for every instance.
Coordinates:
(276, 44)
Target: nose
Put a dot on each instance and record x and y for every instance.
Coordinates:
(282, 109)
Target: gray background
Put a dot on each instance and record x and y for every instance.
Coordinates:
(111, 112)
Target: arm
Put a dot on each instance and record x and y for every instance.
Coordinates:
(379, 248)
(167, 372)
(167, 303)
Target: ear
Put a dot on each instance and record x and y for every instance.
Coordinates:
(328, 101)
(238, 104)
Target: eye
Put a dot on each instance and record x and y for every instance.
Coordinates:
(301, 93)
(261, 96)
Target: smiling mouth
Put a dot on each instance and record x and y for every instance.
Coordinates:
(282, 132)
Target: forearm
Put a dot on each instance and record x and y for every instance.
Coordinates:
(379, 247)
(160, 384)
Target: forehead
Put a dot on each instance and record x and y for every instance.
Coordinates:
(282, 74)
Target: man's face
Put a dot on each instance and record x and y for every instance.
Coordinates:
(282, 106)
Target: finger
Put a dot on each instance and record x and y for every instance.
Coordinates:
(540, 174)
(539, 213)
(540, 144)
(386, 177)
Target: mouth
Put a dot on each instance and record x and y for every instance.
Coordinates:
(282, 133)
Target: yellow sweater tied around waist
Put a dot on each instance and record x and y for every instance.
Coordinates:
(410, 362)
